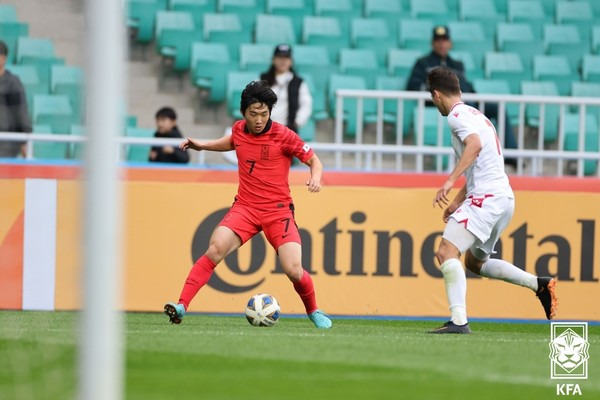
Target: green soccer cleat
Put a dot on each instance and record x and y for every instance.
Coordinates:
(320, 319)
(175, 312)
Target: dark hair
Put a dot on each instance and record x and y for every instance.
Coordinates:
(166, 112)
(444, 80)
(257, 92)
(3, 49)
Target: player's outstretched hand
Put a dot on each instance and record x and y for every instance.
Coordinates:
(449, 211)
(441, 197)
(190, 143)
(314, 186)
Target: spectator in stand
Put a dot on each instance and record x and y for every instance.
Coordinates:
(166, 127)
(294, 102)
(439, 56)
(14, 116)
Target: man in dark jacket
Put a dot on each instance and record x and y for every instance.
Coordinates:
(14, 116)
(439, 56)
(166, 127)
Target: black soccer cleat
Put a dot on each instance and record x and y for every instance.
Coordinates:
(175, 312)
(451, 327)
(547, 294)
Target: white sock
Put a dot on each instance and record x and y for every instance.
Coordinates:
(456, 289)
(499, 269)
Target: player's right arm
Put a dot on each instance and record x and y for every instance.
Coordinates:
(222, 144)
(460, 197)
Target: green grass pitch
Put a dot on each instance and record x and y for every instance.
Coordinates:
(210, 357)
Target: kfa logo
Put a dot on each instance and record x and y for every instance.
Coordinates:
(569, 355)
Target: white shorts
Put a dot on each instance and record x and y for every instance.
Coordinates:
(485, 218)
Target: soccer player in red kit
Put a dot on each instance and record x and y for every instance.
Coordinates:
(264, 151)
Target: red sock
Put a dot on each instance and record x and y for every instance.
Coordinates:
(304, 287)
(198, 276)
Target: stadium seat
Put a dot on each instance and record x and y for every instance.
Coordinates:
(470, 37)
(54, 111)
(389, 10)
(372, 34)
(483, 11)
(596, 39)
(197, 8)
(246, 10)
(236, 83)
(519, 38)
(415, 33)
(571, 125)
(68, 81)
(210, 64)
(434, 10)
(169, 25)
(578, 13)
(295, 10)
(48, 150)
(564, 40)
(10, 32)
(8, 13)
(325, 31)
(430, 132)
(591, 68)
(141, 17)
(506, 66)
(401, 62)
(497, 86)
(556, 69)
(532, 112)
(226, 29)
(530, 12)
(390, 107)
(39, 53)
(274, 29)
(360, 62)
(318, 93)
(255, 57)
(472, 71)
(177, 46)
(586, 89)
(343, 10)
(314, 60)
(549, 6)
(75, 150)
(349, 82)
(138, 153)
(29, 77)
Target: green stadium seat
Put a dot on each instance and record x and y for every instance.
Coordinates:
(343, 10)
(29, 77)
(138, 153)
(532, 112)
(48, 150)
(169, 25)
(141, 17)
(246, 10)
(318, 93)
(470, 37)
(433, 10)
(68, 81)
(506, 66)
(210, 64)
(177, 46)
(372, 34)
(571, 124)
(10, 32)
(472, 71)
(596, 39)
(236, 83)
(401, 62)
(519, 38)
(349, 82)
(40, 53)
(53, 110)
(578, 13)
(8, 13)
(325, 31)
(274, 29)
(549, 6)
(390, 107)
(586, 89)
(430, 131)
(197, 8)
(255, 57)
(314, 60)
(529, 12)
(389, 10)
(295, 10)
(591, 68)
(556, 69)
(501, 6)
(226, 29)
(75, 150)
(564, 40)
(415, 33)
(360, 62)
(483, 11)
(497, 86)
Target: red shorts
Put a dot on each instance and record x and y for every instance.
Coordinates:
(278, 224)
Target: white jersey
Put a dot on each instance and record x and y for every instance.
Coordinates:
(486, 175)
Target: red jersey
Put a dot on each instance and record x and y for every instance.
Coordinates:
(264, 163)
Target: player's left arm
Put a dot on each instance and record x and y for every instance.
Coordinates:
(472, 150)
(316, 173)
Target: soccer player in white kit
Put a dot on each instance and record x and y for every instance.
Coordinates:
(480, 211)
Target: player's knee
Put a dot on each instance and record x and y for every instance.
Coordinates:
(215, 252)
(295, 272)
(442, 255)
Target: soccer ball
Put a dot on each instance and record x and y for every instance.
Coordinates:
(262, 310)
